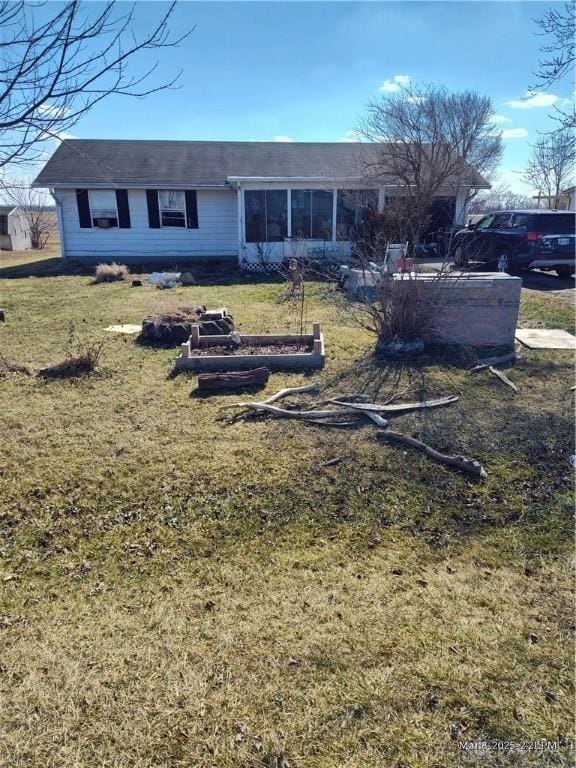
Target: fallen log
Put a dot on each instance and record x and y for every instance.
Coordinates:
(470, 466)
(214, 382)
(399, 407)
(503, 377)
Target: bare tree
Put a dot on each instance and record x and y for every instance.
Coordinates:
(558, 55)
(58, 61)
(35, 206)
(551, 165)
(499, 198)
(433, 142)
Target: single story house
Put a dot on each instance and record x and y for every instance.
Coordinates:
(14, 229)
(250, 202)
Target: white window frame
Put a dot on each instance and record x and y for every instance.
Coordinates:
(94, 193)
(177, 210)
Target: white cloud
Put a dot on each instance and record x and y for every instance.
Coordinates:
(57, 136)
(533, 99)
(499, 119)
(283, 138)
(351, 136)
(394, 84)
(510, 133)
(514, 133)
(63, 135)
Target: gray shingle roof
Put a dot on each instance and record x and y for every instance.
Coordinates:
(6, 209)
(81, 162)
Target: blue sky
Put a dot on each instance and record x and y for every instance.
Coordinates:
(306, 70)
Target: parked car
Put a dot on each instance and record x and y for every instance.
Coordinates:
(512, 240)
(555, 252)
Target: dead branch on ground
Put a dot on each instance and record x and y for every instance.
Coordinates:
(400, 407)
(332, 418)
(503, 377)
(470, 466)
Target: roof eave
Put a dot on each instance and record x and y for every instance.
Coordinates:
(86, 184)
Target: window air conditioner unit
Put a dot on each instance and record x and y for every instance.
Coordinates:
(103, 223)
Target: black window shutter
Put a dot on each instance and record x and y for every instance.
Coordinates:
(83, 207)
(153, 210)
(191, 209)
(123, 208)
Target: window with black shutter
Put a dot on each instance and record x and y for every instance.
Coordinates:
(83, 208)
(123, 208)
(191, 209)
(153, 210)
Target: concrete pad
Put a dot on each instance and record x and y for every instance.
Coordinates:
(124, 328)
(546, 338)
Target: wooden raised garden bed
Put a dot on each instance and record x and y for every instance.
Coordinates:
(235, 352)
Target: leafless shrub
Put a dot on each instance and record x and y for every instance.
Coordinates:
(293, 271)
(81, 357)
(110, 273)
(33, 204)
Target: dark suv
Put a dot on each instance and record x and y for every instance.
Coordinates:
(512, 240)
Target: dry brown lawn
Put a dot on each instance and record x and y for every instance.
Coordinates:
(177, 590)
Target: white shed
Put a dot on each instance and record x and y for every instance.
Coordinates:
(14, 229)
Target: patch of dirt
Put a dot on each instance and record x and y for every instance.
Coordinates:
(252, 349)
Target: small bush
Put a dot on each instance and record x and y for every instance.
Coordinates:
(109, 273)
(80, 358)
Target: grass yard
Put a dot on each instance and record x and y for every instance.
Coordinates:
(179, 590)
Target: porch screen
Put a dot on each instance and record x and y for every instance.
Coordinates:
(312, 213)
(352, 209)
(266, 215)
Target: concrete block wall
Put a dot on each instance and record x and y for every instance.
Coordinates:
(479, 311)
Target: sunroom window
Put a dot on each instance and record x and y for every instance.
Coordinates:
(352, 209)
(103, 210)
(312, 213)
(266, 213)
(172, 204)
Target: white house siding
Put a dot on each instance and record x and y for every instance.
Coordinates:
(216, 236)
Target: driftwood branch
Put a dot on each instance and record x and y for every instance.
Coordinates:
(314, 387)
(509, 358)
(503, 377)
(378, 420)
(399, 407)
(302, 415)
(470, 466)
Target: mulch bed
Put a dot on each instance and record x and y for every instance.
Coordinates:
(252, 349)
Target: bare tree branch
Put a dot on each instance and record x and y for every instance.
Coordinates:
(551, 165)
(55, 69)
(432, 142)
(559, 55)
